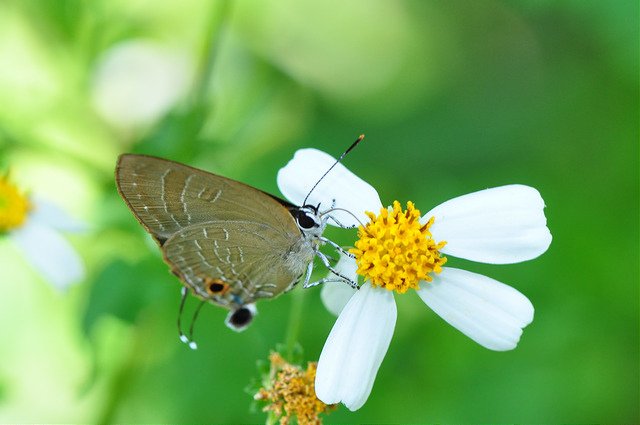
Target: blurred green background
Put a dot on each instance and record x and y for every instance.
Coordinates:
(454, 96)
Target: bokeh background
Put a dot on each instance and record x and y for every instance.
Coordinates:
(454, 96)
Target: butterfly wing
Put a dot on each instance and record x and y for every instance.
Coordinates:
(252, 258)
(167, 196)
(214, 231)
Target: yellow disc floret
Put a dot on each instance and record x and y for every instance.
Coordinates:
(14, 206)
(394, 251)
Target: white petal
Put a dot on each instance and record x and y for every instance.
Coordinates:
(50, 253)
(349, 191)
(487, 311)
(355, 348)
(50, 214)
(500, 226)
(335, 295)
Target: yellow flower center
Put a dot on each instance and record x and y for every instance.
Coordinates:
(394, 251)
(290, 393)
(14, 206)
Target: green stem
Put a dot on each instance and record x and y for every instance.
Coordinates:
(295, 320)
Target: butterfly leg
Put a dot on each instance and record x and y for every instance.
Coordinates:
(337, 247)
(335, 220)
(331, 279)
(307, 278)
(342, 226)
(327, 264)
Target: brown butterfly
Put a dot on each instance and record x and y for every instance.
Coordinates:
(229, 243)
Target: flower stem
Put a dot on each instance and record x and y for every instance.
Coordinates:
(295, 319)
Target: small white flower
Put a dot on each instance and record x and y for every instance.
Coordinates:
(399, 250)
(33, 224)
(138, 81)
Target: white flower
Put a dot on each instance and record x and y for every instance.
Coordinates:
(399, 250)
(33, 224)
(138, 81)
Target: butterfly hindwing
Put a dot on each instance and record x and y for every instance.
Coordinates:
(249, 256)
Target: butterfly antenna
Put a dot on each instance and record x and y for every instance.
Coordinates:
(192, 343)
(349, 149)
(182, 336)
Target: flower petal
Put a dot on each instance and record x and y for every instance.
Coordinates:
(349, 191)
(502, 225)
(487, 311)
(50, 253)
(335, 295)
(355, 347)
(48, 213)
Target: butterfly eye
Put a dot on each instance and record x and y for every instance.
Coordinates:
(305, 221)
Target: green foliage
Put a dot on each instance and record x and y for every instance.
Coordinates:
(123, 289)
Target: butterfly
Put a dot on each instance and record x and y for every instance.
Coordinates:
(229, 243)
